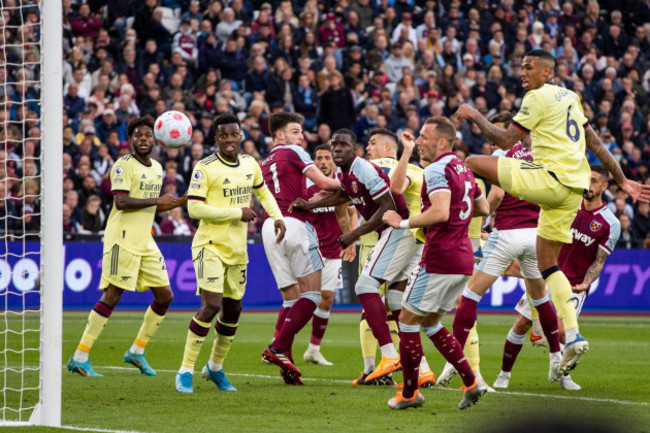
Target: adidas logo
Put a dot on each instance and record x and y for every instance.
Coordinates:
(226, 182)
(249, 176)
(144, 177)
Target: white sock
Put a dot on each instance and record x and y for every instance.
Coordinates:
(137, 350)
(424, 366)
(368, 364)
(214, 366)
(185, 370)
(478, 376)
(80, 356)
(388, 351)
(570, 334)
(313, 348)
(555, 357)
(504, 373)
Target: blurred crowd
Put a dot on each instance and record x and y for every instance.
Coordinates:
(355, 64)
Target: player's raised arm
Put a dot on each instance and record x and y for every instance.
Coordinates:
(436, 214)
(400, 181)
(497, 136)
(635, 190)
(335, 199)
(481, 207)
(495, 197)
(385, 203)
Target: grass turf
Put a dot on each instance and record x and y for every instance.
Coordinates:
(615, 390)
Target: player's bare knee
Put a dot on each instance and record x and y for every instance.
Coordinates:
(522, 325)
(164, 296)
(112, 296)
(327, 300)
(231, 311)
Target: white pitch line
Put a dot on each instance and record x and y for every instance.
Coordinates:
(102, 430)
(524, 394)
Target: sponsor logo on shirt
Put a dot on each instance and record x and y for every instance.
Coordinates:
(587, 240)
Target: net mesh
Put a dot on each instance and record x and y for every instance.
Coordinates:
(20, 213)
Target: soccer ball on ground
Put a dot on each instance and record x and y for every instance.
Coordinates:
(172, 129)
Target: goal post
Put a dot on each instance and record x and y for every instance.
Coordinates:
(49, 410)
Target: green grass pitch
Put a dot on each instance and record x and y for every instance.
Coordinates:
(613, 375)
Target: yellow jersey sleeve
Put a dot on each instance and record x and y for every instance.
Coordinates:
(530, 114)
(198, 188)
(121, 177)
(474, 231)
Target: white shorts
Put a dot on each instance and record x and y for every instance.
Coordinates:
(389, 260)
(523, 306)
(504, 246)
(331, 276)
(433, 293)
(296, 256)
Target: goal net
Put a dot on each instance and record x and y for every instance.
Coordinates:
(30, 212)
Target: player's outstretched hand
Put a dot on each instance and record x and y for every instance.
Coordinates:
(347, 239)
(247, 215)
(465, 112)
(579, 288)
(349, 253)
(299, 203)
(636, 191)
(392, 218)
(182, 201)
(280, 230)
(166, 200)
(408, 141)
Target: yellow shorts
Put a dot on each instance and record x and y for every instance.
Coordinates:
(532, 182)
(364, 251)
(132, 272)
(213, 275)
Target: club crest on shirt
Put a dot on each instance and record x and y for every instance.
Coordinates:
(595, 226)
(197, 176)
(355, 187)
(119, 171)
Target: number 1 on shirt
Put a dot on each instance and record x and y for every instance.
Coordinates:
(276, 182)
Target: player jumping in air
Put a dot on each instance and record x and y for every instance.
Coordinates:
(295, 262)
(450, 198)
(556, 180)
(131, 259)
(595, 232)
(220, 195)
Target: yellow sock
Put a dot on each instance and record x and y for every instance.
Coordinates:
(471, 349)
(150, 325)
(94, 327)
(393, 327)
(534, 315)
(225, 335)
(195, 337)
(560, 289)
(368, 342)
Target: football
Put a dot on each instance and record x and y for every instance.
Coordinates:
(173, 129)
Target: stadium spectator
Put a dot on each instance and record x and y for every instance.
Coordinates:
(176, 224)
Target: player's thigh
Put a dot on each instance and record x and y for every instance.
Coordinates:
(235, 278)
(555, 223)
(501, 248)
(209, 270)
(364, 252)
(276, 255)
(120, 268)
(530, 181)
(528, 255)
(332, 275)
(433, 293)
(153, 272)
(389, 258)
(523, 307)
(303, 252)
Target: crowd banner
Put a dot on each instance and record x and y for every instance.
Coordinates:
(624, 284)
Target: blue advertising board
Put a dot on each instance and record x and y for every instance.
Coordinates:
(624, 284)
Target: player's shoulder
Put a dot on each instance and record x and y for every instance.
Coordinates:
(294, 148)
(440, 165)
(248, 161)
(208, 160)
(608, 216)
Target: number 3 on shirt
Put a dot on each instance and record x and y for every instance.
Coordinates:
(276, 182)
(572, 125)
(464, 214)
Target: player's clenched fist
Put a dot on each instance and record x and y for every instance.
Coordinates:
(247, 215)
(391, 218)
(299, 203)
(166, 200)
(408, 141)
(347, 239)
(465, 112)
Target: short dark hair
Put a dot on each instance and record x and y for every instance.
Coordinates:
(387, 133)
(139, 121)
(504, 117)
(601, 170)
(544, 55)
(279, 121)
(225, 119)
(346, 131)
(444, 127)
(323, 146)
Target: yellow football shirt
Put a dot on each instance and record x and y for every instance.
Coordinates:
(474, 231)
(553, 116)
(131, 229)
(224, 185)
(411, 195)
